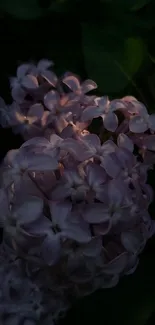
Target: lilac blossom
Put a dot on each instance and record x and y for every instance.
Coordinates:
(74, 204)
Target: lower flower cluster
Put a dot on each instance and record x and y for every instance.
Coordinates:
(74, 204)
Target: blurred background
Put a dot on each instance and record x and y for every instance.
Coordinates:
(112, 42)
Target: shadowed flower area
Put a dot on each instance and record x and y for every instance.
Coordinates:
(74, 204)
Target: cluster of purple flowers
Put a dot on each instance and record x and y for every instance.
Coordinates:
(74, 205)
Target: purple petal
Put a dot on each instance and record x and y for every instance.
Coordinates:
(102, 228)
(115, 192)
(93, 248)
(18, 94)
(125, 157)
(41, 162)
(124, 141)
(111, 165)
(72, 82)
(51, 99)
(110, 121)
(92, 141)
(137, 124)
(90, 112)
(117, 265)
(50, 77)
(73, 177)
(88, 85)
(132, 241)
(4, 204)
(29, 211)
(23, 70)
(131, 265)
(59, 213)
(95, 174)
(96, 213)
(60, 192)
(149, 142)
(151, 122)
(77, 149)
(37, 141)
(51, 249)
(55, 140)
(30, 82)
(78, 231)
(59, 124)
(36, 110)
(44, 64)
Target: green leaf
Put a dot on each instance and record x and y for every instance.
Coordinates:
(110, 59)
(22, 9)
(139, 4)
(134, 52)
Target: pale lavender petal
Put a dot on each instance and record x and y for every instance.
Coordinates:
(139, 108)
(129, 99)
(137, 124)
(30, 82)
(110, 121)
(59, 213)
(90, 112)
(151, 122)
(88, 85)
(108, 147)
(117, 104)
(124, 141)
(111, 165)
(51, 99)
(103, 103)
(36, 110)
(96, 213)
(72, 82)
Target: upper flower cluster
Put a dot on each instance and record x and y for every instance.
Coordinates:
(74, 205)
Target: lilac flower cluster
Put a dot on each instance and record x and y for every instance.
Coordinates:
(74, 205)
